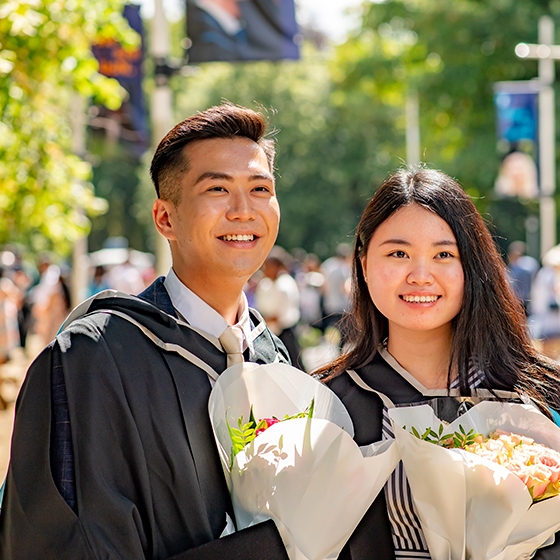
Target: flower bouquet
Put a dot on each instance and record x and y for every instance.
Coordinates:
(306, 473)
(472, 507)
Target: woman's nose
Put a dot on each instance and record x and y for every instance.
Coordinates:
(420, 273)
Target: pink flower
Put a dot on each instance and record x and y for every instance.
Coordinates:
(552, 464)
(539, 477)
(269, 422)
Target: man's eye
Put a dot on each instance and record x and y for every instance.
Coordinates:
(262, 188)
(217, 189)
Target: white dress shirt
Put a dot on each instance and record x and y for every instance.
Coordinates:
(200, 315)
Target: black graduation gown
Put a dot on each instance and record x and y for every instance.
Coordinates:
(149, 483)
(372, 538)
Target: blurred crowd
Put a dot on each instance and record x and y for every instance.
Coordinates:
(303, 301)
(302, 298)
(35, 296)
(537, 287)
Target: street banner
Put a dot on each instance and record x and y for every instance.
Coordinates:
(125, 65)
(517, 111)
(235, 30)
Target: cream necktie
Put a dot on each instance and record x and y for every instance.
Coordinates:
(232, 342)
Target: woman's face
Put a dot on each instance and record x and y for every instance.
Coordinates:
(414, 271)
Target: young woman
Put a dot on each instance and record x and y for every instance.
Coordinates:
(433, 314)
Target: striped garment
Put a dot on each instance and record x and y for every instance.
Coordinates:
(408, 537)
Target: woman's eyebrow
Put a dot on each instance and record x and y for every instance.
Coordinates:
(395, 241)
(405, 243)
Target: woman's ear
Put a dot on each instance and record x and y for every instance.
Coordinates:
(363, 261)
(163, 213)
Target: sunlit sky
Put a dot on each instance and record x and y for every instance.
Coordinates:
(334, 17)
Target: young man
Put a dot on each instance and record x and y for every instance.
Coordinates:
(113, 454)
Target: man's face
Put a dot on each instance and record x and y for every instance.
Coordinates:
(228, 217)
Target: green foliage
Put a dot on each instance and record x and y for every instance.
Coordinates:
(45, 60)
(451, 53)
(340, 112)
(456, 440)
(244, 434)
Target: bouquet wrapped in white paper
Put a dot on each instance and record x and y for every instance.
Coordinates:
(472, 508)
(307, 474)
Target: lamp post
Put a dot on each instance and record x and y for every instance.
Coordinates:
(161, 108)
(546, 53)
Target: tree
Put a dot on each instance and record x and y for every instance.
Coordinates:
(451, 53)
(45, 61)
(340, 112)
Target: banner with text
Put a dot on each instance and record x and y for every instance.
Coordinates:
(125, 65)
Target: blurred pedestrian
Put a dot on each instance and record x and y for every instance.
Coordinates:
(337, 271)
(125, 278)
(9, 333)
(98, 282)
(311, 281)
(522, 270)
(51, 303)
(277, 299)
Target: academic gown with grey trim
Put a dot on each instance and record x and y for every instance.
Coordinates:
(149, 483)
(372, 538)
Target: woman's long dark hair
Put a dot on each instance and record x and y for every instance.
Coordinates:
(489, 331)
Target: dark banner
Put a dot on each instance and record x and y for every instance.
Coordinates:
(232, 30)
(126, 66)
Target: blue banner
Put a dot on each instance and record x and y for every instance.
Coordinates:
(517, 117)
(126, 66)
(517, 114)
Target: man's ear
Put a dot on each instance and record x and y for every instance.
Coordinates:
(163, 213)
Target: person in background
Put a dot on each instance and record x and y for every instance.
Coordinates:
(522, 270)
(125, 278)
(336, 272)
(113, 454)
(98, 282)
(311, 281)
(51, 303)
(10, 296)
(432, 310)
(277, 299)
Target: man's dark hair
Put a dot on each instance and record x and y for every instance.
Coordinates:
(223, 121)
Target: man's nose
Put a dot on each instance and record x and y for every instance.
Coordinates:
(240, 207)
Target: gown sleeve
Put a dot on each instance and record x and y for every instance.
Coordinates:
(112, 518)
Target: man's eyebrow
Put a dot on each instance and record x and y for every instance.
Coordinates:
(214, 175)
(261, 177)
(225, 177)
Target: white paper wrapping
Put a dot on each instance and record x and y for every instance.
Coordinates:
(308, 475)
(469, 507)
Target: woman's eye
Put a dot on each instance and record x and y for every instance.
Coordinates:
(399, 254)
(444, 255)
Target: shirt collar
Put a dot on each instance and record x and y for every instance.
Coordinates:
(201, 316)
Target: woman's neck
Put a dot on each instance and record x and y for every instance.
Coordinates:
(425, 355)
